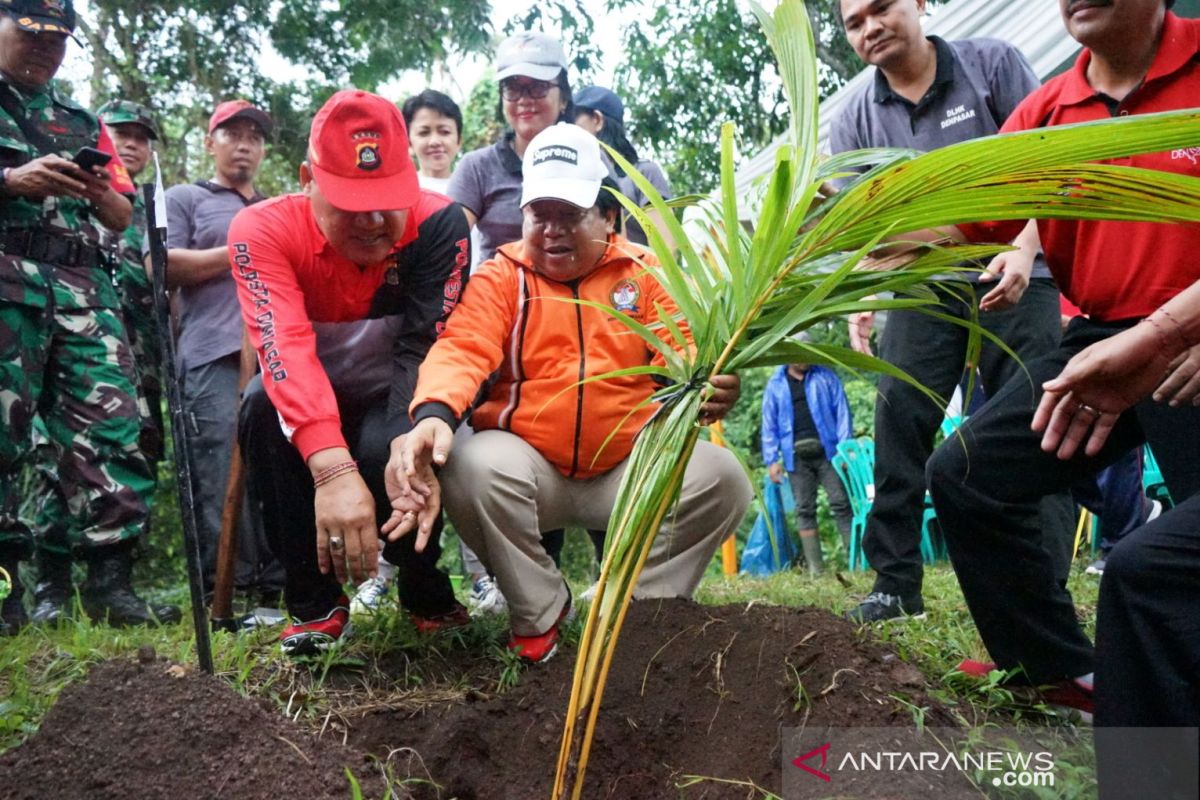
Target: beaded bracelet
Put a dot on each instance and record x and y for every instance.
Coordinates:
(329, 473)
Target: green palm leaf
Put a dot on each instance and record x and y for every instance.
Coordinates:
(743, 294)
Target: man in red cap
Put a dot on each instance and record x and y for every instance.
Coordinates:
(343, 287)
(210, 334)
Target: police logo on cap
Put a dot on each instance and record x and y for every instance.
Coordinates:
(366, 148)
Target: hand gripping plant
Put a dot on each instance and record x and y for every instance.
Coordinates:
(742, 293)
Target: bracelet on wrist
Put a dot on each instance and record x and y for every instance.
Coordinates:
(329, 473)
(1171, 338)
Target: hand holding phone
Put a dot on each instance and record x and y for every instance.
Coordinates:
(89, 157)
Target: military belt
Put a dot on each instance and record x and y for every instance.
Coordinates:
(51, 248)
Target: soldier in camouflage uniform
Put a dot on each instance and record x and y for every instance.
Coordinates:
(132, 128)
(64, 355)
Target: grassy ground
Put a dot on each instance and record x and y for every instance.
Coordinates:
(387, 664)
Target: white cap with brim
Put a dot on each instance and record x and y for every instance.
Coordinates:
(532, 55)
(563, 163)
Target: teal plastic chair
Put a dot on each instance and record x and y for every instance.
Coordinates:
(855, 465)
(1152, 479)
(933, 544)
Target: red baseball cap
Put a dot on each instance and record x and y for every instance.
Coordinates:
(358, 153)
(232, 109)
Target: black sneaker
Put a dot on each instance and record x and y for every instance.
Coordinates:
(880, 607)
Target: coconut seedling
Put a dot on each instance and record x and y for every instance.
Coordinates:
(743, 291)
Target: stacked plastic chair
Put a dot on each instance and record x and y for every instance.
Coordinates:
(855, 465)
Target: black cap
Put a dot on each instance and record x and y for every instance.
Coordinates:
(42, 16)
(597, 98)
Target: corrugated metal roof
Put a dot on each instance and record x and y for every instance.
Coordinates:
(1033, 26)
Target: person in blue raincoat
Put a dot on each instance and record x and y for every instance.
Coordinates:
(804, 416)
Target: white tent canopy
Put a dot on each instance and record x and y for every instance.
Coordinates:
(1033, 26)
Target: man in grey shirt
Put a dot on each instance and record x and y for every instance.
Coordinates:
(210, 332)
(928, 93)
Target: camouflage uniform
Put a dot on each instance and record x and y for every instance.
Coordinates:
(64, 354)
(136, 293)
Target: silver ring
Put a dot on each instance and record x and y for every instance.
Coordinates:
(1085, 407)
(336, 544)
(408, 515)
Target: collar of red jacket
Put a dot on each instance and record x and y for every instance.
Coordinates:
(1179, 45)
(618, 250)
(319, 242)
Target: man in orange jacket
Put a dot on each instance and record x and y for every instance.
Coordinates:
(550, 449)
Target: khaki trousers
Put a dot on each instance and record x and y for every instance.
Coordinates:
(501, 494)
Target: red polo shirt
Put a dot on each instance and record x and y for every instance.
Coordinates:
(288, 277)
(1118, 270)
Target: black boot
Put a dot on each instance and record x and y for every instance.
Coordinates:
(108, 595)
(53, 594)
(12, 611)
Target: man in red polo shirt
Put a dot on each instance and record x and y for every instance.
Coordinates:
(343, 288)
(1139, 58)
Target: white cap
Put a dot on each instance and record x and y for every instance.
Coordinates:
(563, 163)
(533, 55)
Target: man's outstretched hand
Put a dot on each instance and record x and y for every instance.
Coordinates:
(412, 486)
(1083, 403)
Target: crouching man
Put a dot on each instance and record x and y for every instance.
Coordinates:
(542, 457)
(343, 289)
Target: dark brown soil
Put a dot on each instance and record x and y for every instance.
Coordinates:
(694, 691)
(134, 730)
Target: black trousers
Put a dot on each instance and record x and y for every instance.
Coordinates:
(906, 421)
(986, 487)
(1148, 659)
(284, 483)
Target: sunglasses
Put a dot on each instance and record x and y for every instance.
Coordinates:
(534, 90)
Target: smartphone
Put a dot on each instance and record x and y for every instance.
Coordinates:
(89, 157)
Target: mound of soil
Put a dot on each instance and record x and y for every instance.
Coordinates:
(694, 691)
(150, 730)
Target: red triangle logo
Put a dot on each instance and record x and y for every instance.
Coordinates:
(823, 752)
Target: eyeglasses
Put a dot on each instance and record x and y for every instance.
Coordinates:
(534, 90)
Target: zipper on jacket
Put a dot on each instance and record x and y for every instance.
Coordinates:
(579, 388)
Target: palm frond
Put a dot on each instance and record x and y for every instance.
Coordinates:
(743, 292)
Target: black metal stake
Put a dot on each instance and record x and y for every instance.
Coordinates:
(183, 473)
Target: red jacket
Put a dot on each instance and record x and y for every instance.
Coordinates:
(289, 277)
(1118, 270)
(522, 326)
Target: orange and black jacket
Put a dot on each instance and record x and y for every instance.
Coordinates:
(523, 328)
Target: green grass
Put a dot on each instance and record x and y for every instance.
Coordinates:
(388, 665)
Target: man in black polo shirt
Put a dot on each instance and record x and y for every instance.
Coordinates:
(926, 94)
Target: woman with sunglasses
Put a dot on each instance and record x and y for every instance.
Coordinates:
(534, 94)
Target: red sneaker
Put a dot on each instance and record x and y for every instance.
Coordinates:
(309, 638)
(976, 669)
(541, 648)
(454, 618)
(1072, 697)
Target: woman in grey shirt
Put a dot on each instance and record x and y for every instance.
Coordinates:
(534, 94)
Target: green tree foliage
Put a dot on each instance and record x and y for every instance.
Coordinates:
(685, 74)
(182, 58)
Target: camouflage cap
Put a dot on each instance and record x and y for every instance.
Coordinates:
(116, 112)
(40, 16)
